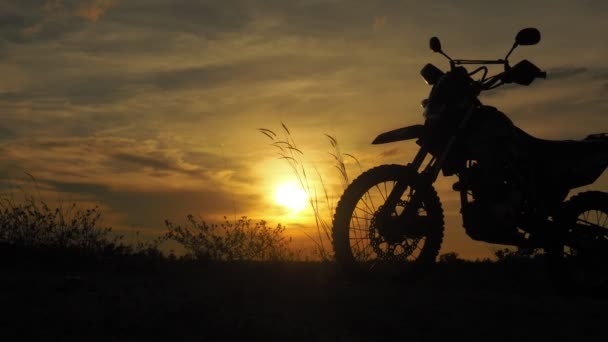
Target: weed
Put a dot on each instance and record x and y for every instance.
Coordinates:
(33, 223)
(289, 151)
(63, 233)
(240, 240)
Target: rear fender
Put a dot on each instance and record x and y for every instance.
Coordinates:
(405, 133)
(603, 138)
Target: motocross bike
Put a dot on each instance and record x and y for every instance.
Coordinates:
(513, 187)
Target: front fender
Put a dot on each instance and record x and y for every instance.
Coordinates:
(405, 133)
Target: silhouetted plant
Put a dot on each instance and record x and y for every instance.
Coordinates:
(450, 258)
(240, 240)
(33, 223)
(289, 152)
(515, 255)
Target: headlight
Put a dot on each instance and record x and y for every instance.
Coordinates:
(434, 111)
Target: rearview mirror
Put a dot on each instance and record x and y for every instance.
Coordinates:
(527, 36)
(435, 44)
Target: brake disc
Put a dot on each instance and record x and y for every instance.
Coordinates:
(386, 248)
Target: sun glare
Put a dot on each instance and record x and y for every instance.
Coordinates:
(291, 196)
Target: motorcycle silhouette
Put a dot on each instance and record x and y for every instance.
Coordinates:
(513, 187)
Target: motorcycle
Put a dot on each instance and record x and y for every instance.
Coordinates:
(513, 187)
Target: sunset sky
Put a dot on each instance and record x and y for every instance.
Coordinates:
(151, 108)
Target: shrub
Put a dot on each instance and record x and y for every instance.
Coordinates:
(450, 258)
(507, 255)
(33, 224)
(240, 240)
(68, 235)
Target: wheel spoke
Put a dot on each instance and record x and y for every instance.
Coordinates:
(583, 255)
(376, 239)
(365, 211)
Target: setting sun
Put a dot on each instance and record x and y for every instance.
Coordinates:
(291, 195)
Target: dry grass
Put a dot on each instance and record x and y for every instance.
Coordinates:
(319, 198)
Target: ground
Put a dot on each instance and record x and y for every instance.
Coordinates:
(289, 301)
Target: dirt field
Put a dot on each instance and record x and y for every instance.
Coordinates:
(303, 302)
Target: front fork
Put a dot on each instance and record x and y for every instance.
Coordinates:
(429, 174)
(423, 180)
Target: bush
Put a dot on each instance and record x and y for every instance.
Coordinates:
(33, 224)
(508, 255)
(240, 240)
(32, 230)
(450, 258)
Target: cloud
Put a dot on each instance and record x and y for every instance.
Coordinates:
(149, 209)
(30, 21)
(555, 76)
(143, 182)
(390, 152)
(158, 161)
(27, 22)
(379, 22)
(269, 68)
(155, 106)
(211, 19)
(90, 10)
(600, 74)
(565, 72)
(93, 10)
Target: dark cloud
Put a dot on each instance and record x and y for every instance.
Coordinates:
(155, 160)
(31, 21)
(104, 89)
(595, 5)
(600, 74)
(285, 67)
(555, 75)
(76, 187)
(14, 96)
(565, 72)
(6, 133)
(389, 153)
(149, 209)
(10, 21)
(206, 18)
(96, 90)
(79, 90)
(144, 161)
(48, 121)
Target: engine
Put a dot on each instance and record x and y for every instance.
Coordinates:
(495, 204)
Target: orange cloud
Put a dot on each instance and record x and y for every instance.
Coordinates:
(92, 11)
(379, 22)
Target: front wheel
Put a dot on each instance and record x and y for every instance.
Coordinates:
(578, 258)
(371, 235)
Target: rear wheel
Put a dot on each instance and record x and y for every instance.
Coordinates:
(578, 260)
(371, 235)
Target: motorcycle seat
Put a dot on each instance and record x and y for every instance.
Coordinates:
(563, 149)
(571, 163)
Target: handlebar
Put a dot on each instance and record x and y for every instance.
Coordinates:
(522, 73)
